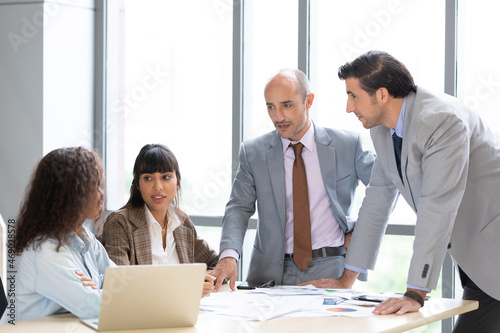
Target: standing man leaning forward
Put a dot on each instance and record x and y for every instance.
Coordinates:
(334, 162)
(450, 176)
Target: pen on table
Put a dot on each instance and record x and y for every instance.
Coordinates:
(267, 284)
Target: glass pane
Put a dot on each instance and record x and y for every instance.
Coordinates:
(478, 82)
(340, 32)
(170, 82)
(270, 44)
(210, 234)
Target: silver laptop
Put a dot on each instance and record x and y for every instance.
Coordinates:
(150, 296)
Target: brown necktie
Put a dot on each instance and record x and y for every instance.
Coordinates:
(302, 252)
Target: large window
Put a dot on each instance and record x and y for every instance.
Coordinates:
(169, 82)
(341, 31)
(478, 82)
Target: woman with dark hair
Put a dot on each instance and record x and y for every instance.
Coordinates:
(60, 264)
(150, 228)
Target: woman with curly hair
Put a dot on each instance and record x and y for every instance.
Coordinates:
(60, 264)
(150, 228)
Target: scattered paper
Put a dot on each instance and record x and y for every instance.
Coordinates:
(296, 301)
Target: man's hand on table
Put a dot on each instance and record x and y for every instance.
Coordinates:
(400, 305)
(225, 268)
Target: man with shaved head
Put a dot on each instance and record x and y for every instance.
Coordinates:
(329, 165)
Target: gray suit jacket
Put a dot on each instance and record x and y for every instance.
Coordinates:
(261, 177)
(451, 178)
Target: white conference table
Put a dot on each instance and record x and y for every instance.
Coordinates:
(435, 309)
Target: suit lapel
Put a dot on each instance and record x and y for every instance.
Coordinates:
(184, 244)
(407, 133)
(277, 174)
(142, 241)
(328, 162)
(392, 166)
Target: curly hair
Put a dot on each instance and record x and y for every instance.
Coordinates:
(153, 158)
(61, 189)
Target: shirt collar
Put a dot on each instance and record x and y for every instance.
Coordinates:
(80, 243)
(307, 139)
(149, 217)
(401, 121)
(173, 221)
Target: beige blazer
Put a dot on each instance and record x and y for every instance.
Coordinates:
(451, 178)
(126, 238)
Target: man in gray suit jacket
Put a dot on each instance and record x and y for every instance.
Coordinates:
(449, 173)
(334, 162)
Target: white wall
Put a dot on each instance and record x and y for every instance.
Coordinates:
(46, 87)
(21, 95)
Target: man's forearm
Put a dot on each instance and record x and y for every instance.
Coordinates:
(348, 278)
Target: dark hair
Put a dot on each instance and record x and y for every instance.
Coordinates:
(61, 188)
(153, 158)
(377, 69)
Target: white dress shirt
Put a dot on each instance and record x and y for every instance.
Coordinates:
(158, 253)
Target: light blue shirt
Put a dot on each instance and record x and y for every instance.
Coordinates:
(400, 125)
(46, 282)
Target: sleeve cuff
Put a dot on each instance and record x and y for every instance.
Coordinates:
(356, 269)
(409, 286)
(229, 253)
